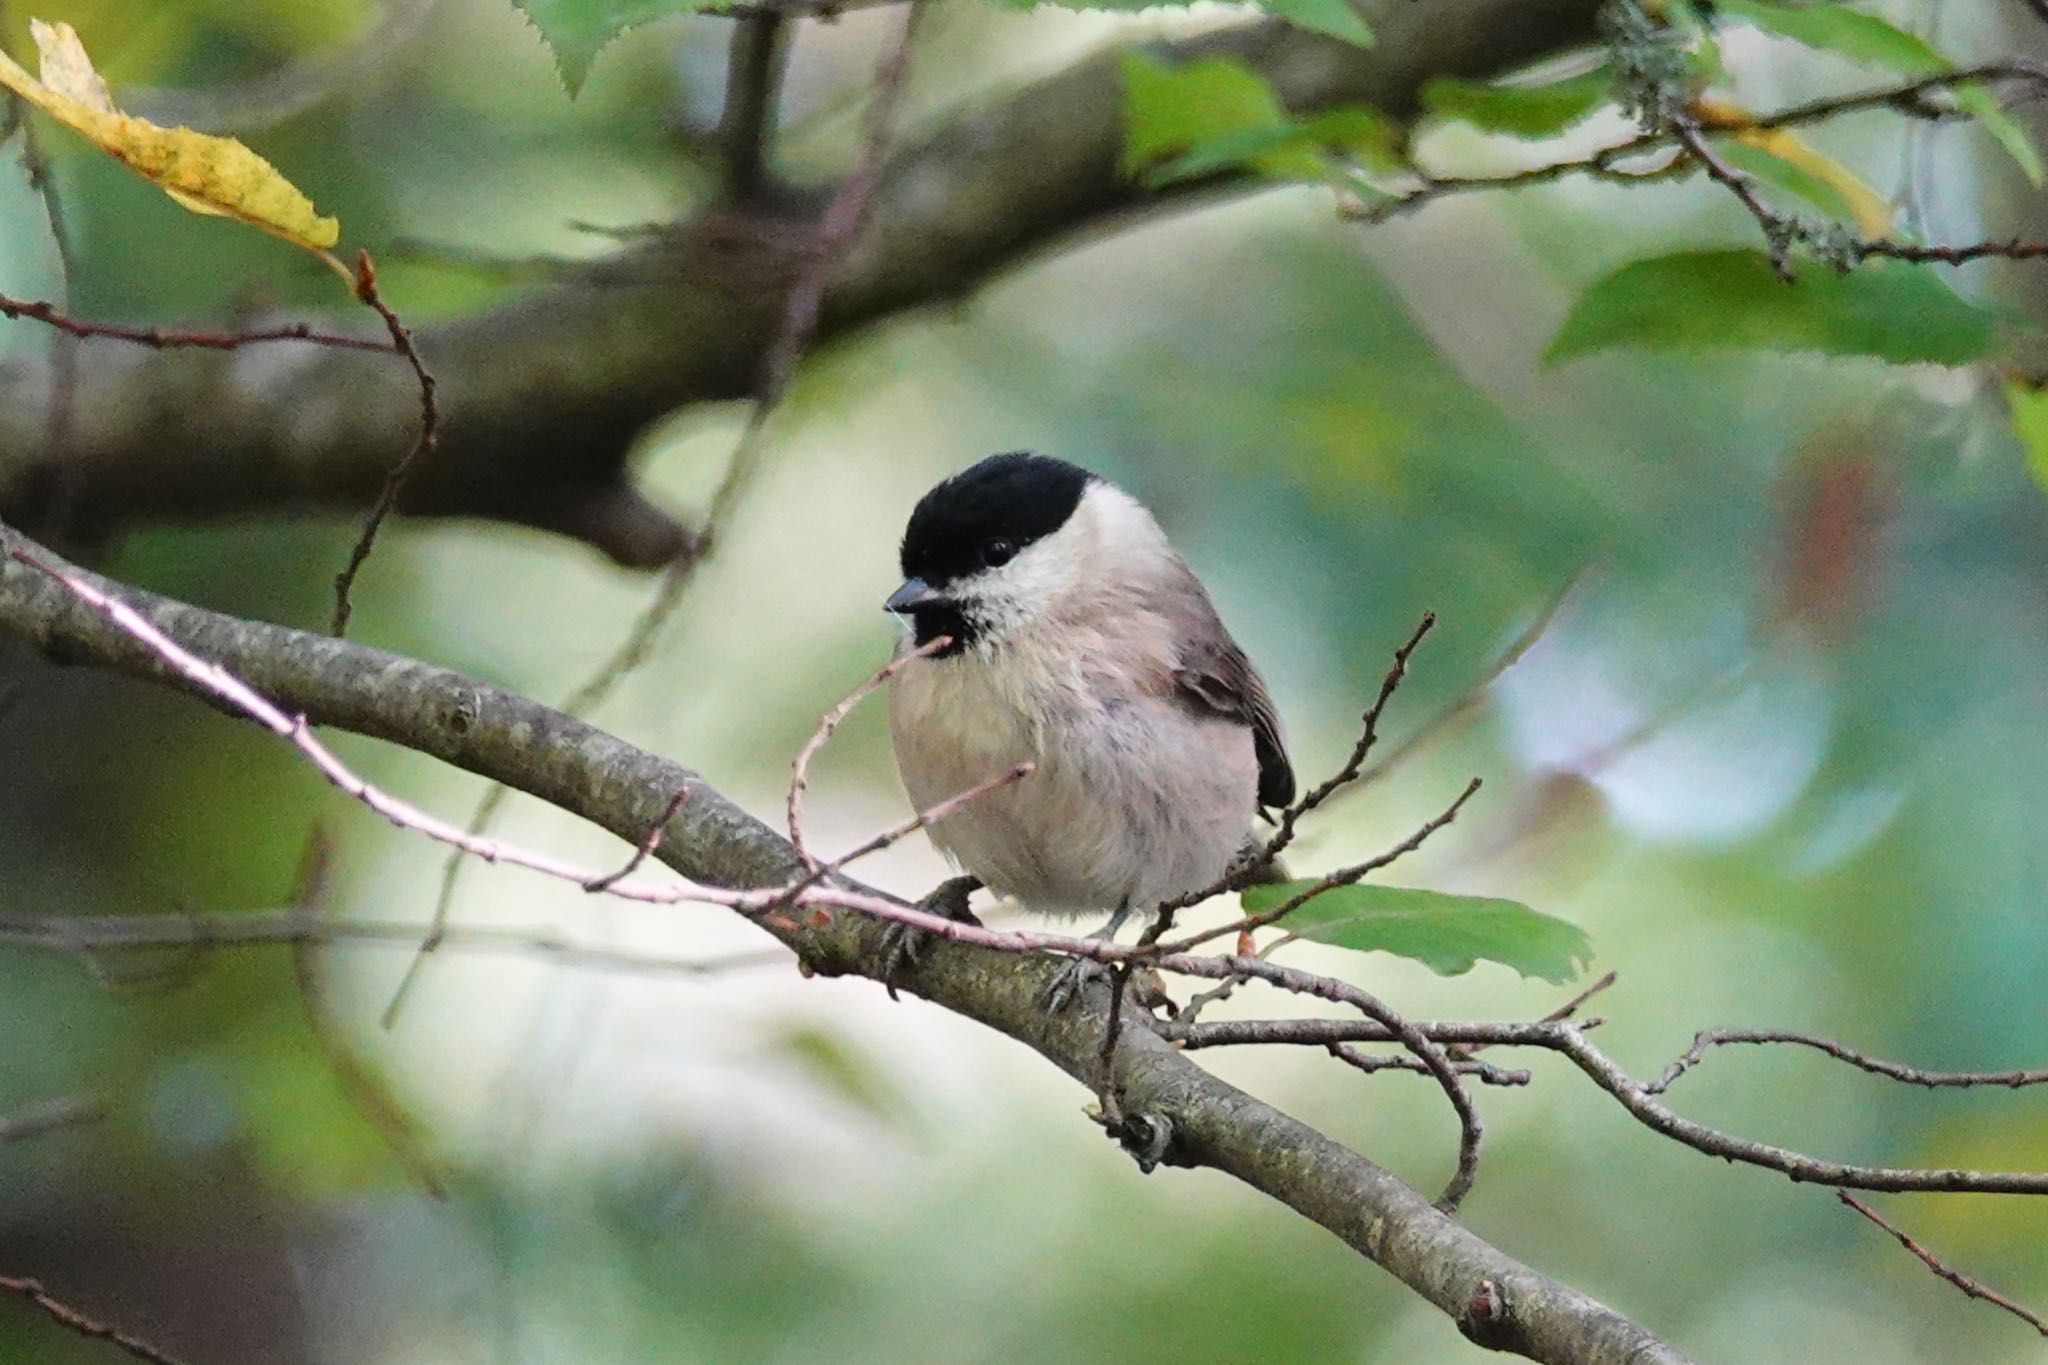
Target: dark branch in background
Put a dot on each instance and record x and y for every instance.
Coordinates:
(49, 1117)
(797, 327)
(407, 467)
(96, 938)
(1196, 1119)
(74, 1321)
(545, 396)
(753, 86)
(1976, 1289)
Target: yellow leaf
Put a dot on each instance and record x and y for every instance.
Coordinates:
(206, 174)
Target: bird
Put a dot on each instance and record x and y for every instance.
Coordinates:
(1077, 641)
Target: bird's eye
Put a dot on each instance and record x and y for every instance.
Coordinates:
(998, 551)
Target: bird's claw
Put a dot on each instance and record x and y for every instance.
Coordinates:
(903, 944)
(1074, 976)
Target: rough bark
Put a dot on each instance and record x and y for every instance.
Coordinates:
(582, 770)
(542, 399)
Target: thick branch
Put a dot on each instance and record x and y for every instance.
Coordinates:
(1191, 1118)
(544, 397)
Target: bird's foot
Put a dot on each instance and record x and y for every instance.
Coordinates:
(902, 944)
(1076, 974)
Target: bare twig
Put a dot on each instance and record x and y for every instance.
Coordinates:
(367, 1092)
(1343, 876)
(1240, 874)
(49, 1117)
(401, 473)
(1469, 701)
(844, 217)
(644, 849)
(1704, 1042)
(800, 770)
(1372, 1064)
(1975, 1289)
(167, 339)
(75, 1321)
(1571, 1041)
(1425, 1049)
(1780, 230)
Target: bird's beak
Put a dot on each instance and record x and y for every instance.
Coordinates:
(913, 594)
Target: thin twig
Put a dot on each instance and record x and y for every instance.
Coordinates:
(401, 473)
(1525, 640)
(844, 217)
(645, 848)
(1343, 876)
(800, 770)
(1425, 1050)
(1976, 1289)
(168, 339)
(1779, 230)
(1248, 868)
(367, 1093)
(1705, 1041)
(1562, 1012)
(1372, 1064)
(75, 1321)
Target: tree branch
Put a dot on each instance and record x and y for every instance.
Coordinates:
(1190, 1118)
(544, 398)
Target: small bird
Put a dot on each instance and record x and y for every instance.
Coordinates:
(1081, 643)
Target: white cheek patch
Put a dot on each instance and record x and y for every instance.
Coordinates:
(1002, 599)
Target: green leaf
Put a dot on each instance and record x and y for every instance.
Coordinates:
(1526, 111)
(1733, 300)
(1290, 151)
(1337, 18)
(577, 30)
(2029, 407)
(1445, 933)
(1865, 38)
(1171, 109)
(2010, 133)
(1217, 114)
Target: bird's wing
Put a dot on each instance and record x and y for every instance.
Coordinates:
(1216, 677)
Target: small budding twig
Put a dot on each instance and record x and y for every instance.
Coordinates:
(401, 473)
(800, 770)
(1710, 1039)
(1976, 1289)
(1343, 876)
(1425, 1049)
(843, 220)
(169, 339)
(1240, 874)
(73, 1320)
(645, 848)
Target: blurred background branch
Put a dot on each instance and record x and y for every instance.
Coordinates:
(547, 395)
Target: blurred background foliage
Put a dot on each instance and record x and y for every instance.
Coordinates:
(1781, 753)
